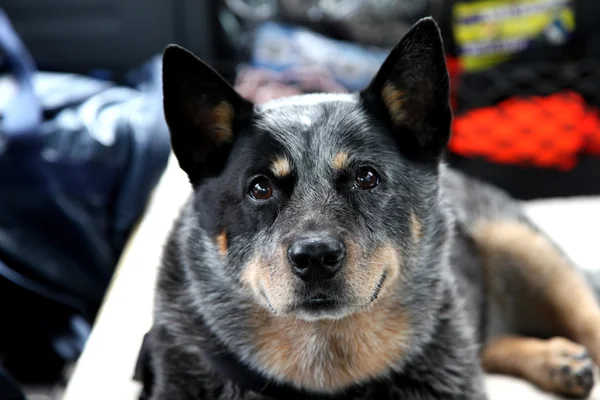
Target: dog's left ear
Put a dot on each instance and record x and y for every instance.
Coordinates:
(203, 112)
(411, 92)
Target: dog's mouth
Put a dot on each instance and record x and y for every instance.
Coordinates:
(320, 303)
(333, 301)
(321, 306)
(329, 306)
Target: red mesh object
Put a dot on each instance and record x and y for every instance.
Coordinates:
(454, 70)
(592, 123)
(546, 132)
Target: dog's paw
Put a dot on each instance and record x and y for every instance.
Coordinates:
(570, 369)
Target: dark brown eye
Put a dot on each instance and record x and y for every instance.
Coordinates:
(367, 178)
(260, 188)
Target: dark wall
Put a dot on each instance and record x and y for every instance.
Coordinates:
(79, 35)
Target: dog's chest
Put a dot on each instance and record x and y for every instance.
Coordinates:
(332, 354)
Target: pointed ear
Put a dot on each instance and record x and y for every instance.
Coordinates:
(411, 92)
(203, 113)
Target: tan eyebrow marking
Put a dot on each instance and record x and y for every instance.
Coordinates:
(340, 160)
(281, 167)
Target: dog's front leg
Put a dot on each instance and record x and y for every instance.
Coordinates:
(171, 383)
(538, 285)
(178, 373)
(169, 390)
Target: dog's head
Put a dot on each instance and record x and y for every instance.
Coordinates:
(317, 205)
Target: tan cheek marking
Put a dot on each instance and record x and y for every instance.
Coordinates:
(222, 243)
(281, 167)
(278, 281)
(340, 161)
(251, 274)
(357, 278)
(331, 355)
(275, 283)
(416, 228)
(389, 259)
(362, 281)
(394, 101)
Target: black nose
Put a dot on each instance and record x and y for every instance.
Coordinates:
(316, 257)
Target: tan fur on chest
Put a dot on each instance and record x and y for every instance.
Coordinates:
(329, 355)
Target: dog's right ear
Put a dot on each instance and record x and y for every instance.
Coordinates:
(203, 113)
(412, 88)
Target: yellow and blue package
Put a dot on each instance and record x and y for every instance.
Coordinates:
(493, 31)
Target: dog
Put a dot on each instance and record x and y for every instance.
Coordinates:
(327, 252)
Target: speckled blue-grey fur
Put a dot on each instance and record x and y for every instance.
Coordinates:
(201, 300)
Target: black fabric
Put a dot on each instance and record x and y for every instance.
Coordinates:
(529, 183)
(9, 390)
(78, 160)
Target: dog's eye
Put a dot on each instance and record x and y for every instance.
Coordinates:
(260, 188)
(367, 178)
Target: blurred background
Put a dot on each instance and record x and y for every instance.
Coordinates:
(83, 142)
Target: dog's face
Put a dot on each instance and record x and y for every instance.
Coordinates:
(317, 205)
